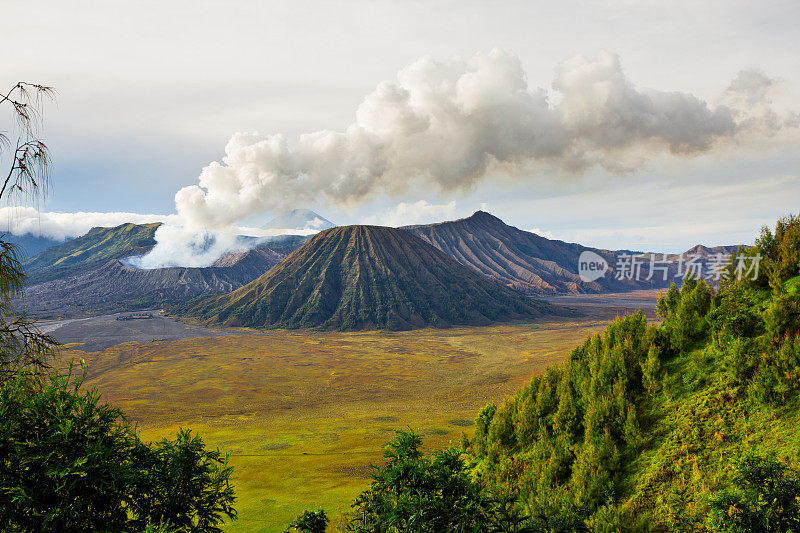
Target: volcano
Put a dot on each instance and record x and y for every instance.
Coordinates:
(525, 261)
(366, 277)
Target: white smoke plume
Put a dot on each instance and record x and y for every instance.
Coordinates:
(182, 246)
(444, 125)
(447, 122)
(407, 214)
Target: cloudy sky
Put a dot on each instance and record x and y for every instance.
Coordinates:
(622, 124)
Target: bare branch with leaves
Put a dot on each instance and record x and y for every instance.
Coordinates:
(30, 163)
(22, 345)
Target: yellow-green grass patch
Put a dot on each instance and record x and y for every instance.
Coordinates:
(304, 414)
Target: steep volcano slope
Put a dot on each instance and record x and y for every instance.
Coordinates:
(364, 277)
(115, 287)
(520, 259)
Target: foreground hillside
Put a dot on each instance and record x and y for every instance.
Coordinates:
(689, 425)
(366, 277)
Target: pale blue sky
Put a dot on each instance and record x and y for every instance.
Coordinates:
(150, 92)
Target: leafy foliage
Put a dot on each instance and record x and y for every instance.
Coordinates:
(71, 463)
(22, 345)
(765, 496)
(68, 465)
(30, 157)
(185, 485)
(309, 522)
(415, 492)
(632, 432)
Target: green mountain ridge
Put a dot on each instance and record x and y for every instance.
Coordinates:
(366, 277)
(96, 248)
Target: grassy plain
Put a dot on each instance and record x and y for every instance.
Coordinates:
(303, 414)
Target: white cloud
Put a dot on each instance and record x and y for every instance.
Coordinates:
(407, 214)
(62, 226)
(446, 125)
(543, 233)
(179, 246)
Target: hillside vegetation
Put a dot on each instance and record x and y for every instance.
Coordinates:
(97, 247)
(691, 424)
(366, 277)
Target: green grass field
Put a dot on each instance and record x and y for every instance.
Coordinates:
(303, 414)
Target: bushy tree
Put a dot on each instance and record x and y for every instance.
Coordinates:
(765, 496)
(415, 492)
(185, 485)
(69, 463)
(309, 522)
(736, 312)
(482, 423)
(689, 323)
(780, 250)
(782, 317)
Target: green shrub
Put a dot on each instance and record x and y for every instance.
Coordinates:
(70, 463)
(782, 317)
(765, 496)
(415, 492)
(482, 423)
(185, 485)
(309, 522)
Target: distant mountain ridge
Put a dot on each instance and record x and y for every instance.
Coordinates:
(520, 259)
(90, 274)
(29, 246)
(115, 287)
(365, 277)
(536, 265)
